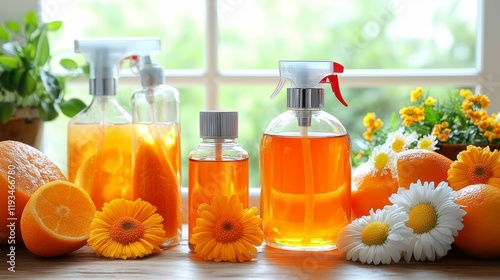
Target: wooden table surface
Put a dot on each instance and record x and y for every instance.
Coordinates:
(178, 263)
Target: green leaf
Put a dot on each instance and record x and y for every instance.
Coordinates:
(27, 84)
(86, 69)
(9, 63)
(68, 64)
(5, 81)
(4, 35)
(29, 29)
(54, 25)
(13, 26)
(48, 111)
(31, 18)
(430, 114)
(15, 78)
(43, 50)
(71, 107)
(395, 122)
(29, 52)
(10, 79)
(6, 110)
(51, 85)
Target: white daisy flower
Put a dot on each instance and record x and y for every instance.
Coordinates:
(434, 217)
(382, 159)
(381, 237)
(400, 141)
(428, 142)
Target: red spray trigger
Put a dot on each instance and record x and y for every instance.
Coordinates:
(333, 80)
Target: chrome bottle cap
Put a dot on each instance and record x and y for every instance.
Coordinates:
(305, 98)
(218, 124)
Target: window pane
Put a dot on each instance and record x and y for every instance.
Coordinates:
(179, 25)
(359, 34)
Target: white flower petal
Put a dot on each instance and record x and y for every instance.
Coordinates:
(352, 247)
(437, 242)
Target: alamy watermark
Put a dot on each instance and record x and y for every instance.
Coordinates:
(11, 218)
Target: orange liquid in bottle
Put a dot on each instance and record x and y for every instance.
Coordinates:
(99, 160)
(293, 218)
(157, 175)
(210, 178)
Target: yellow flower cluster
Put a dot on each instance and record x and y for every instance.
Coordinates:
(462, 119)
(412, 114)
(441, 131)
(372, 124)
(474, 108)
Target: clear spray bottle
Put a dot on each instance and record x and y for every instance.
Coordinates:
(305, 163)
(156, 147)
(100, 137)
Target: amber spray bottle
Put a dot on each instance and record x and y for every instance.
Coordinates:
(305, 163)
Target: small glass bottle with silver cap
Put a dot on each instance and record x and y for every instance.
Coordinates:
(305, 163)
(218, 166)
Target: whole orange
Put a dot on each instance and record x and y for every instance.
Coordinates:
(56, 219)
(423, 165)
(481, 232)
(23, 169)
(370, 190)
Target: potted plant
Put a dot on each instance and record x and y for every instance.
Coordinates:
(30, 92)
(449, 125)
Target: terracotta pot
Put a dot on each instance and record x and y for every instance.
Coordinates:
(24, 126)
(452, 150)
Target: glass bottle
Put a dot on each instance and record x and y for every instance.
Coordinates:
(305, 165)
(156, 147)
(100, 137)
(218, 166)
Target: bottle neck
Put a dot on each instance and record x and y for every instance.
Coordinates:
(218, 140)
(103, 87)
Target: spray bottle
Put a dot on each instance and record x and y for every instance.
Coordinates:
(156, 147)
(305, 163)
(100, 137)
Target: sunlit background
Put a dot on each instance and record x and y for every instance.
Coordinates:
(253, 35)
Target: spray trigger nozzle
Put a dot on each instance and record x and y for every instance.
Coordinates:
(309, 74)
(333, 80)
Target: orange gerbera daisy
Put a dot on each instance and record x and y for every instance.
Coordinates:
(475, 166)
(225, 231)
(126, 229)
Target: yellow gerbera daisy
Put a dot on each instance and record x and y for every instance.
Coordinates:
(475, 166)
(126, 229)
(225, 231)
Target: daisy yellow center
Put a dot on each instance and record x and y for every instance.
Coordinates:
(425, 144)
(126, 230)
(228, 229)
(480, 174)
(398, 145)
(375, 233)
(422, 218)
(381, 160)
